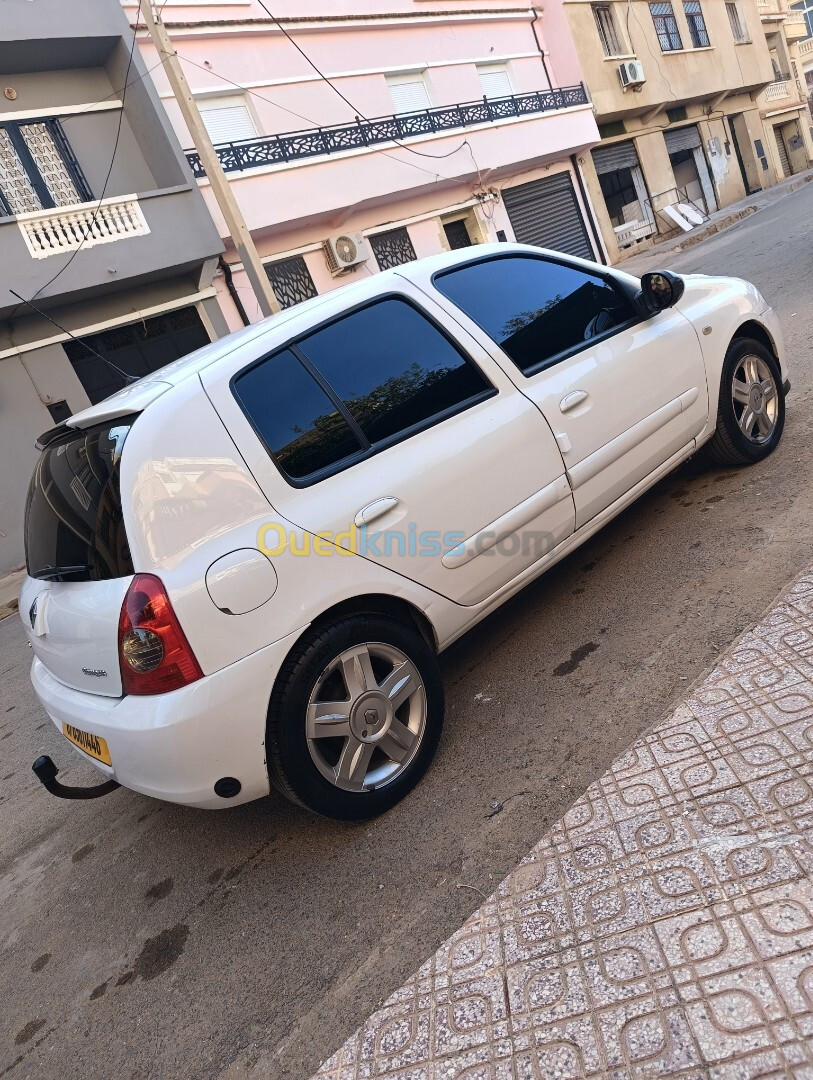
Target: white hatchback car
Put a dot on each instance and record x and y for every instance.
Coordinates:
(241, 568)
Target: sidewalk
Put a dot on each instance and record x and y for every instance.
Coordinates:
(9, 590)
(664, 926)
(635, 261)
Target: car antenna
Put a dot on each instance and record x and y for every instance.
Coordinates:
(123, 374)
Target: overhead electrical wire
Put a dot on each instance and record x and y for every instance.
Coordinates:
(89, 227)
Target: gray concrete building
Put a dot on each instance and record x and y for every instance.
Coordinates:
(102, 228)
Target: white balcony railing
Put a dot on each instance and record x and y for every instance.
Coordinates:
(67, 228)
(777, 90)
(806, 47)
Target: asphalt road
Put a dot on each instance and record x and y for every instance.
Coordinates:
(142, 940)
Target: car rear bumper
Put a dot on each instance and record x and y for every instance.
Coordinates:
(177, 746)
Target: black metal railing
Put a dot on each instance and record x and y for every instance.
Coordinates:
(293, 145)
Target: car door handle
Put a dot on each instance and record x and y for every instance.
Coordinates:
(375, 510)
(570, 401)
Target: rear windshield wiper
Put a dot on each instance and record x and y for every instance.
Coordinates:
(57, 573)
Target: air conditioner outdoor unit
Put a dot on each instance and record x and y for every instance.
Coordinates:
(345, 251)
(631, 73)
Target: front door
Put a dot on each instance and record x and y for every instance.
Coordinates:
(621, 395)
(390, 436)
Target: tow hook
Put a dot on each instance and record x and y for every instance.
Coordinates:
(46, 772)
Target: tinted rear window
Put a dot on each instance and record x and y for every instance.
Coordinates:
(392, 368)
(294, 416)
(74, 529)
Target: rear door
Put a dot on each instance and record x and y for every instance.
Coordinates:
(385, 433)
(78, 559)
(622, 395)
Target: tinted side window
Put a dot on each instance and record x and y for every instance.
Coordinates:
(295, 418)
(392, 368)
(533, 308)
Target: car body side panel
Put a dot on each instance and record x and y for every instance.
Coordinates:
(718, 307)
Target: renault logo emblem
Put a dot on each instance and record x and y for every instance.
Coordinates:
(32, 612)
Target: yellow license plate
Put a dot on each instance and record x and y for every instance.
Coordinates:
(93, 745)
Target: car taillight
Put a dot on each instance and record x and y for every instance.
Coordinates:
(153, 651)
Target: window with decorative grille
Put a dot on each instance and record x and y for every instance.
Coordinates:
(697, 24)
(738, 30)
(37, 168)
(666, 26)
(392, 248)
(291, 281)
(607, 30)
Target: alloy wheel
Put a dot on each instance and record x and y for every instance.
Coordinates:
(366, 717)
(755, 397)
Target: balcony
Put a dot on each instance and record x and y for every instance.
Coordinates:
(318, 142)
(796, 26)
(68, 228)
(806, 50)
(778, 90)
(130, 241)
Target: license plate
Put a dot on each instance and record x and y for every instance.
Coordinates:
(93, 745)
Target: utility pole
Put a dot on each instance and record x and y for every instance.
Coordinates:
(221, 189)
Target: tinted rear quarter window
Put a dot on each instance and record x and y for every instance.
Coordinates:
(355, 385)
(392, 368)
(535, 309)
(74, 527)
(295, 418)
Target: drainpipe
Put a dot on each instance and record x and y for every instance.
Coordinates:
(229, 279)
(539, 46)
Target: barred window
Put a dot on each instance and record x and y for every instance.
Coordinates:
(607, 29)
(291, 281)
(738, 31)
(37, 168)
(666, 26)
(697, 24)
(392, 248)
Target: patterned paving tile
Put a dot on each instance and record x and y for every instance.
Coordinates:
(663, 927)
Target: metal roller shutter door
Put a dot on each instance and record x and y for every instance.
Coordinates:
(609, 159)
(783, 152)
(682, 139)
(545, 213)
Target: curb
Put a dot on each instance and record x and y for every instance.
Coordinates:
(8, 609)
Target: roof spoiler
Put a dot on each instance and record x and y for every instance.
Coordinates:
(51, 435)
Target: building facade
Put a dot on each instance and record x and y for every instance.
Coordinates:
(102, 230)
(405, 126)
(696, 106)
(783, 105)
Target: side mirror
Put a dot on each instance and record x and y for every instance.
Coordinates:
(660, 289)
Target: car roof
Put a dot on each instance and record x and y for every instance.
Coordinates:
(276, 329)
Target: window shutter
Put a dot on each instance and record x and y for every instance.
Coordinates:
(409, 95)
(227, 119)
(494, 81)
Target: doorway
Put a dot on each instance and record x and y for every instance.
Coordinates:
(690, 168)
(748, 170)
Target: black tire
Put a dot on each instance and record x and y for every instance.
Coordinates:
(730, 445)
(292, 767)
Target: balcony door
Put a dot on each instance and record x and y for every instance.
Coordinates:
(38, 170)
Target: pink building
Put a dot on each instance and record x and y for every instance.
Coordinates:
(464, 123)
